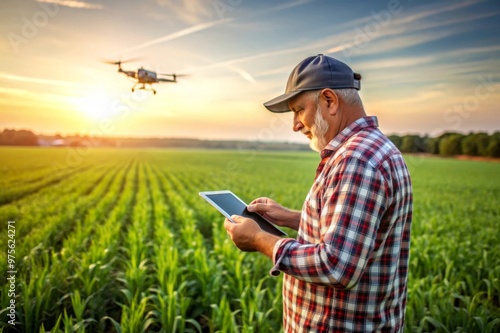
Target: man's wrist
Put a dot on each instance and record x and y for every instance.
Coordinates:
(294, 219)
(264, 243)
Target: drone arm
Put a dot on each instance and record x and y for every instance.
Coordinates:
(131, 74)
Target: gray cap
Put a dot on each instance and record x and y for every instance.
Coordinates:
(316, 72)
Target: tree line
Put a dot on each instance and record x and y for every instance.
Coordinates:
(12, 137)
(450, 144)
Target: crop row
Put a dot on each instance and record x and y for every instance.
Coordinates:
(124, 243)
(131, 256)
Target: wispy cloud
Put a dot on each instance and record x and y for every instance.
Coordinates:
(244, 74)
(230, 67)
(406, 31)
(434, 11)
(73, 4)
(387, 39)
(439, 69)
(442, 62)
(388, 44)
(261, 56)
(193, 15)
(473, 50)
(36, 80)
(13, 91)
(401, 29)
(177, 34)
(420, 97)
(191, 11)
(396, 62)
(279, 70)
(284, 6)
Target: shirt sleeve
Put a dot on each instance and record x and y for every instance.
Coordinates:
(351, 207)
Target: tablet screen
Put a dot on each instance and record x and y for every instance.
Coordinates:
(229, 204)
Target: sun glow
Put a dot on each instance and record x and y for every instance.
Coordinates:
(95, 105)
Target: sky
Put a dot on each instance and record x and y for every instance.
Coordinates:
(427, 66)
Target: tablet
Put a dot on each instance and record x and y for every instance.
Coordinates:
(229, 204)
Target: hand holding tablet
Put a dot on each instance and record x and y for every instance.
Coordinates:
(227, 203)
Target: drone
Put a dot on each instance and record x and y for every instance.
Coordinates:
(144, 77)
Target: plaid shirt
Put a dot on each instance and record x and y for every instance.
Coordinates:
(347, 270)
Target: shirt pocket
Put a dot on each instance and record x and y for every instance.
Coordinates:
(310, 224)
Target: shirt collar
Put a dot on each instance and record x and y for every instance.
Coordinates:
(347, 132)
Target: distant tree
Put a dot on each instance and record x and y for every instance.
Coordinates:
(451, 145)
(431, 145)
(494, 145)
(397, 140)
(412, 144)
(482, 142)
(447, 134)
(421, 145)
(18, 138)
(469, 145)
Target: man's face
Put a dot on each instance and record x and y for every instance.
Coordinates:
(308, 119)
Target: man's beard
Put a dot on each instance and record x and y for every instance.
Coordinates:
(318, 131)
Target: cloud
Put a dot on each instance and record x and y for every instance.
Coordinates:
(444, 61)
(473, 50)
(396, 62)
(13, 91)
(397, 32)
(196, 11)
(258, 56)
(440, 68)
(391, 43)
(244, 74)
(433, 11)
(177, 34)
(191, 11)
(73, 4)
(403, 31)
(399, 28)
(283, 6)
(36, 80)
(230, 67)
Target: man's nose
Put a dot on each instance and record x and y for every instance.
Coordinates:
(297, 125)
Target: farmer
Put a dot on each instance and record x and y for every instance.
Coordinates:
(347, 270)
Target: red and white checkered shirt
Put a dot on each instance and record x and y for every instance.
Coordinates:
(347, 270)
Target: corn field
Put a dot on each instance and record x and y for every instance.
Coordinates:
(118, 240)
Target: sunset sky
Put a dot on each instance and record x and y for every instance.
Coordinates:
(427, 66)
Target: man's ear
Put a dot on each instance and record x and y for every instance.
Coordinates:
(332, 101)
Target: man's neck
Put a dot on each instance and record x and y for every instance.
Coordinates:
(348, 116)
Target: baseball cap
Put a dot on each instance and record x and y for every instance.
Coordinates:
(315, 72)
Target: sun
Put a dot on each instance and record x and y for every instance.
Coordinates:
(95, 105)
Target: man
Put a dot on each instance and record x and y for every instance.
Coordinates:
(347, 270)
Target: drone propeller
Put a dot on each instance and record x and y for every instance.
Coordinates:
(119, 62)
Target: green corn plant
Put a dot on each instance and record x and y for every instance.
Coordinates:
(171, 309)
(223, 319)
(135, 316)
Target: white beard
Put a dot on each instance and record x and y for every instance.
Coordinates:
(318, 131)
